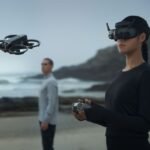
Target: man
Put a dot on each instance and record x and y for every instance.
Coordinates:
(48, 105)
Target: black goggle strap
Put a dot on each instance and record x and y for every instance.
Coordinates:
(124, 24)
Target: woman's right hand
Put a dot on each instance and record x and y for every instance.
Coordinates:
(80, 115)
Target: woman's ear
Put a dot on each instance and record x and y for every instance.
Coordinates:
(142, 37)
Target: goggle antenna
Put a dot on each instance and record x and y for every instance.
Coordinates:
(107, 27)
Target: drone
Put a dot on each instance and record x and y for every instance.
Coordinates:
(17, 44)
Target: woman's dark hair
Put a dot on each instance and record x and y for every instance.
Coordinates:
(141, 25)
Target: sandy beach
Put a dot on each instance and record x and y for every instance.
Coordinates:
(22, 133)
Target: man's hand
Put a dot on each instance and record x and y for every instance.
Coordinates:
(44, 126)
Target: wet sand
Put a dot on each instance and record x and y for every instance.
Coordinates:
(22, 133)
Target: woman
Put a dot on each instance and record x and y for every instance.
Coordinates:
(126, 114)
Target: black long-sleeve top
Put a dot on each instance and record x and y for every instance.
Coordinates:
(127, 109)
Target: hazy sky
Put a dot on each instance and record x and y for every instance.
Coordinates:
(70, 31)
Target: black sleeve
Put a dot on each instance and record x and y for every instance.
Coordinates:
(92, 115)
(144, 98)
(140, 122)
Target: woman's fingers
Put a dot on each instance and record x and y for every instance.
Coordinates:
(87, 101)
(79, 111)
(80, 115)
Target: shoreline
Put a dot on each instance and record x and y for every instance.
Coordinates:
(27, 106)
(25, 126)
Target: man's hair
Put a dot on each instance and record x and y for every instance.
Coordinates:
(50, 61)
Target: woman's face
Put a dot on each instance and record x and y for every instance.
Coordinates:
(128, 46)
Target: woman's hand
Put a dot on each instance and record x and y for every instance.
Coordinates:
(80, 115)
(87, 101)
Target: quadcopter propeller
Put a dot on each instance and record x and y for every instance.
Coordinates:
(33, 43)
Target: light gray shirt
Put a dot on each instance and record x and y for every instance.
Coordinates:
(48, 100)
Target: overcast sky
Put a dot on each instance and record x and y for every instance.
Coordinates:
(70, 31)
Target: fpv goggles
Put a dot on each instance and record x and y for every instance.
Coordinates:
(124, 30)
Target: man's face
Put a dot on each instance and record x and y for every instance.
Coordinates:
(46, 67)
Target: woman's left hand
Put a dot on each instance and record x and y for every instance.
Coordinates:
(80, 115)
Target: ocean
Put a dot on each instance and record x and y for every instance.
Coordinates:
(19, 85)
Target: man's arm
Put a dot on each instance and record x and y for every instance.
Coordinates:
(52, 96)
